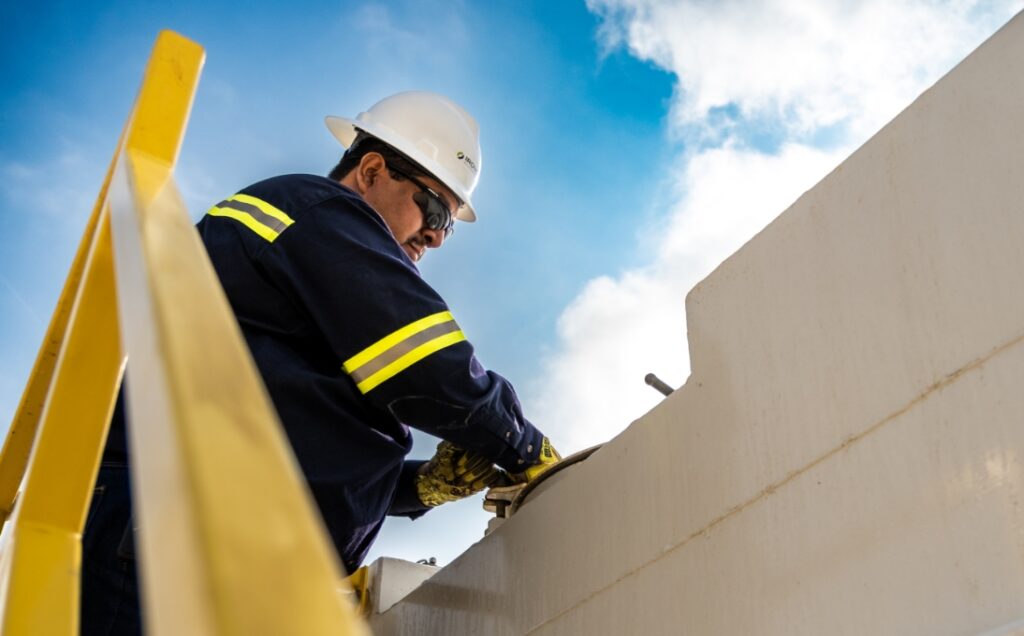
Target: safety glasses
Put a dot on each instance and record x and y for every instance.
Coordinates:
(436, 214)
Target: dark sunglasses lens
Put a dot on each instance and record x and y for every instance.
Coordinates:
(435, 213)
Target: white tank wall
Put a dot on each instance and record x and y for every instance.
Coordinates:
(846, 457)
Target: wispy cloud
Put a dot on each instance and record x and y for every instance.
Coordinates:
(21, 302)
(403, 43)
(818, 79)
(61, 188)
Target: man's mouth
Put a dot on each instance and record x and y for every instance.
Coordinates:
(414, 250)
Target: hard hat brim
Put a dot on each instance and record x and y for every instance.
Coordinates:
(345, 131)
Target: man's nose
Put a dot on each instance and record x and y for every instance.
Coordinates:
(432, 238)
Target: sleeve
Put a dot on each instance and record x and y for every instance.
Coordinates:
(393, 335)
(407, 502)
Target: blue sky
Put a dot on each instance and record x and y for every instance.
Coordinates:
(628, 147)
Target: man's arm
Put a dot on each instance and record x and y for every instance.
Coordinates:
(393, 335)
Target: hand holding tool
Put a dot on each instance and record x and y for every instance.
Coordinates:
(503, 494)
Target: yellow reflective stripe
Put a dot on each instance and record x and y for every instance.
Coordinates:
(410, 359)
(265, 207)
(246, 220)
(387, 342)
(256, 214)
(400, 350)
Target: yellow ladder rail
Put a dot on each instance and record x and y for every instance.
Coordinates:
(40, 550)
(22, 432)
(229, 538)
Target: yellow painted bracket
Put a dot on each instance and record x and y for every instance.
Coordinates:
(230, 541)
(360, 584)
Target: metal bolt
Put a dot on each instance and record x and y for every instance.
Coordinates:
(656, 382)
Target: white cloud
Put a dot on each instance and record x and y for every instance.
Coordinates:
(728, 195)
(795, 68)
(802, 64)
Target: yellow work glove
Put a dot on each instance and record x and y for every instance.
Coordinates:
(452, 474)
(499, 497)
(547, 458)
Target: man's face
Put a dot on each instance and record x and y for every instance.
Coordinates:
(392, 198)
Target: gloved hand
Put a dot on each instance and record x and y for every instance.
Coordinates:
(453, 473)
(547, 458)
(501, 495)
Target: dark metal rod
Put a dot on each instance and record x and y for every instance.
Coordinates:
(656, 382)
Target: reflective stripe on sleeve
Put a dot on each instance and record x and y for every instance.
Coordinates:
(400, 350)
(255, 214)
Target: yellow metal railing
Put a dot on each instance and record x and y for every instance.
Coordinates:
(229, 539)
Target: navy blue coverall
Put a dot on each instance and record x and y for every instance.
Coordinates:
(354, 347)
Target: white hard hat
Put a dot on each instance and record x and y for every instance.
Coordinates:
(430, 129)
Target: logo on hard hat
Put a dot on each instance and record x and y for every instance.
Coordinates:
(464, 157)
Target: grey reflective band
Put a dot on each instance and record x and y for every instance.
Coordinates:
(257, 214)
(399, 349)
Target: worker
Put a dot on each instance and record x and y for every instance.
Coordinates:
(353, 345)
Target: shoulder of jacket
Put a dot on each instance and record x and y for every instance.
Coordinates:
(295, 193)
(299, 195)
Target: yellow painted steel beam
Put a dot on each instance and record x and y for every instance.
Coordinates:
(22, 431)
(40, 552)
(230, 539)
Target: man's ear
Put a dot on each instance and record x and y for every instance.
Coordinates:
(369, 170)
